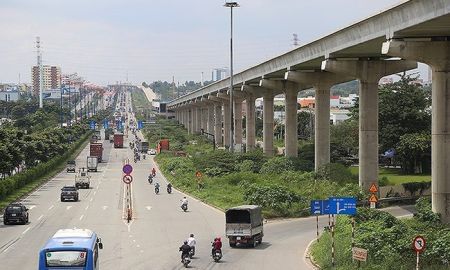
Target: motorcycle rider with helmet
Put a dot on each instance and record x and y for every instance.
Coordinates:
(185, 248)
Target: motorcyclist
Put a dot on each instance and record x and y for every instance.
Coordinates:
(156, 186)
(184, 201)
(191, 242)
(153, 171)
(216, 245)
(169, 187)
(185, 248)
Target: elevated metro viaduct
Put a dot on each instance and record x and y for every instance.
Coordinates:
(387, 43)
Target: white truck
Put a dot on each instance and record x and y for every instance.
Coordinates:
(244, 225)
(82, 178)
(92, 163)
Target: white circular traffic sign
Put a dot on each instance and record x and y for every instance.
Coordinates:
(419, 243)
(127, 179)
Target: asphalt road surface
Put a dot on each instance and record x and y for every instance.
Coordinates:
(152, 238)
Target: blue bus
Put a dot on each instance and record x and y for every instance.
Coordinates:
(71, 249)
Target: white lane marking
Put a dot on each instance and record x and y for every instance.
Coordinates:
(82, 216)
(148, 208)
(68, 207)
(134, 241)
(138, 246)
(86, 208)
(91, 199)
(95, 192)
(142, 251)
(31, 207)
(104, 207)
(50, 208)
(24, 232)
(130, 235)
(40, 217)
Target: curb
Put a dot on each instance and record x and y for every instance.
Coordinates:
(308, 259)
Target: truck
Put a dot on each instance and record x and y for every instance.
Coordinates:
(118, 140)
(92, 163)
(96, 150)
(162, 145)
(244, 225)
(142, 146)
(82, 178)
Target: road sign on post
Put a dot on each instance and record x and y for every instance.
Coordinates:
(373, 188)
(359, 254)
(342, 205)
(127, 169)
(127, 179)
(320, 207)
(140, 124)
(419, 246)
(105, 124)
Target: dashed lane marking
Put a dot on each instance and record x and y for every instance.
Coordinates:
(31, 207)
(104, 207)
(50, 208)
(148, 208)
(24, 232)
(40, 217)
(86, 208)
(91, 199)
(82, 216)
(68, 207)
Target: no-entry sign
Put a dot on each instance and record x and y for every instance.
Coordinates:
(419, 243)
(127, 179)
(127, 169)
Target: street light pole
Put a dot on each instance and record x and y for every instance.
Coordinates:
(231, 5)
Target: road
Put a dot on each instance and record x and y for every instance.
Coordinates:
(158, 227)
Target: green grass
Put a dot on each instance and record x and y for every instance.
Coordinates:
(396, 177)
(27, 189)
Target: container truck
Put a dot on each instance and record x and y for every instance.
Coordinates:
(118, 140)
(96, 150)
(91, 164)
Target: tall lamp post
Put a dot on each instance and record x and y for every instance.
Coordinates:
(231, 5)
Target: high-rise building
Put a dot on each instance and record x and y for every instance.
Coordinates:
(51, 77)
(219, 74)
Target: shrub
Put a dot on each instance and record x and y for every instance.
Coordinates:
(413, 187)
(223, 162)
(277, 165)
(257, 156)
(424, 213)
(274, 196)
(246, 166)
(335, 172)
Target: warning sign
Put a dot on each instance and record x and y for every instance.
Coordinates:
(359, 254)
(373, 198)
(373, 188)
(198, 174)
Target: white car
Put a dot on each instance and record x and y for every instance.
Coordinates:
(152, 152)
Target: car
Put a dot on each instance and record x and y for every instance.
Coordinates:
(15, 213)
(69, 193)
(71, 165)
(152, 152)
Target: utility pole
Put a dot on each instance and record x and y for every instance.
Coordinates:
(231, 5)
(39, 64)
(61, 101)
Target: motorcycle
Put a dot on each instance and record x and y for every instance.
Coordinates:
(217, 255)
(186, 261)
(156, 190)
(169, 189)
(150, 179)
(184, 207)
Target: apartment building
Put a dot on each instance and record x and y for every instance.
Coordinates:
(51, 77)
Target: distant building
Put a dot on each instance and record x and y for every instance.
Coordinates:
(348, 102)
(338, 116)
(9, 95)
(219, 74)
(386, 80)
(51, 78)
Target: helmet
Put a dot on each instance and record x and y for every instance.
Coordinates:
(185, 242)
(218, 238)
(184, 197)
(192, 235)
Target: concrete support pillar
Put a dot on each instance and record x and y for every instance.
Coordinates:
(238, 124)
(291, 137)
(194, 120)
(322, 125)
(204, 119)
(210, 124)
(268, 125)
(226, 124)
(198, 119)
(437, 55)
(369, 72)
(190, 121)
(250, 132)
(218, 124)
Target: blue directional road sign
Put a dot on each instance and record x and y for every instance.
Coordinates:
(105, 124)
(320, 207)
(119, 124)
(342, 205)
(140, 124)
(92, 124)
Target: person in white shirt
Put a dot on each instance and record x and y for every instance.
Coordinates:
(191, 242)
(184, 201)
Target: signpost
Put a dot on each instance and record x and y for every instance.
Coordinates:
(92, 125)
(127, 169)
(342, 205)
(127, 179)
(105, 124)
(140, 124)
(373, 196)
(359, 254)
(419, 246)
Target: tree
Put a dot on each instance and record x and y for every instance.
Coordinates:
(414, 151)
(305, 124)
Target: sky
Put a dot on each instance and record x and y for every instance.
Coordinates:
(104, 40)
